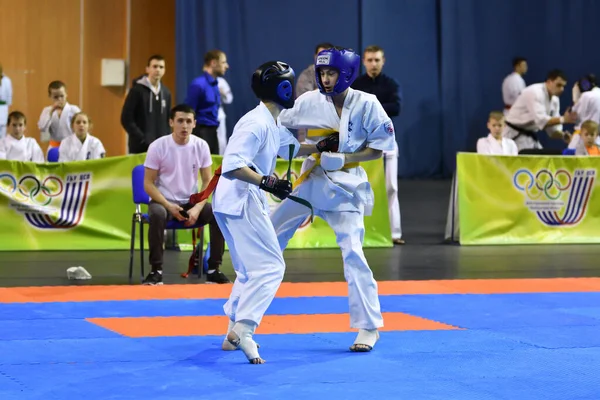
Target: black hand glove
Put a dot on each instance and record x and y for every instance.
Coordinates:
(279, 187)
(330, 143)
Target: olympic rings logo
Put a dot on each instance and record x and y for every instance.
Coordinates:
(29, 189)
(544, 182)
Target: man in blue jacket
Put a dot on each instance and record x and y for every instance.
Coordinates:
(204, 97)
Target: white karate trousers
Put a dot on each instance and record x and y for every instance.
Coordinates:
(365, 311)
(257, 260)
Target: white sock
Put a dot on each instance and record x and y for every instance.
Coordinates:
(244, 331)
(367, 336)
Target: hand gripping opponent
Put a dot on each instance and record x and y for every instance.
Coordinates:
(330, 143)
(279, 187)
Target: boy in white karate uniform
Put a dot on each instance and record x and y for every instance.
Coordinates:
(55, 120)
(586, 96)
(241, 207)
(81, 145)
(494, 143)
(334, 183)
(15, 146)
(6, 93)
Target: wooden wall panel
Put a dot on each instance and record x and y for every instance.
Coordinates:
(40, 43)
(153, 32)
(105, 35)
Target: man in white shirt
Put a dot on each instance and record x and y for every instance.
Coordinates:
(172, 164)
(15, 146)
(538, 108)
(513, 84)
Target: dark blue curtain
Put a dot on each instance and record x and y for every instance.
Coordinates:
(449, 56)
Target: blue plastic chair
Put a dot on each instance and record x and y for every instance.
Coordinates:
(53, 154)
(568, 152)
(141, 197)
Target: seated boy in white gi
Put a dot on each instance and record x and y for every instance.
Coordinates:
(494, 143)
(15, 146)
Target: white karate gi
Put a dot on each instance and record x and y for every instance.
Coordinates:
(226, 98)
(512, 86)
(57, 127)
(588, 107)
(391, 186)
(531, 112)
(6, 93)
(489, 145)
(25, 149)
(342, 198)
(486, 145)
(71, 149)
(242, 212)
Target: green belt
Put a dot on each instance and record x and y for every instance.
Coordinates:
(289, 178)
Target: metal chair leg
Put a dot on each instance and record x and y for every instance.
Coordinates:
(142, 247)
(132, 248)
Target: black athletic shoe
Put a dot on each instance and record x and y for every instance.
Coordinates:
(153, 278)
(217, 277)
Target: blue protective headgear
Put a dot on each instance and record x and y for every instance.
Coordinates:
(587, 83)
(345, 61)
(274, 80)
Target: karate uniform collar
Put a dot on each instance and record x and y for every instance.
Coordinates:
(268, 116)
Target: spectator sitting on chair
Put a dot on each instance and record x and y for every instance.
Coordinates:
(81, 145)
(170, 177)
(15, 146)
(585, 142)
(494, 143)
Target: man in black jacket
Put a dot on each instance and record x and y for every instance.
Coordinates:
(145, 114)
(387, 91)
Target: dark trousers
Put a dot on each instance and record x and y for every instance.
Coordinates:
(208, 133)
(156, 234)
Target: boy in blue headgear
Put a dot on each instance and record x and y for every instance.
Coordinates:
(334, 183)
(241, 208)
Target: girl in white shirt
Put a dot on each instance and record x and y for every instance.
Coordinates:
(80, 145)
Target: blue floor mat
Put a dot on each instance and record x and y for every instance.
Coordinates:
(530, 346)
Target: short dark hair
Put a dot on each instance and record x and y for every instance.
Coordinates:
(16, 115)
(555, 74)
(156, 57)
(55, 85)
(324, 45)
(518, 60)
(374, 49)
(184, 108)
(212, 55)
